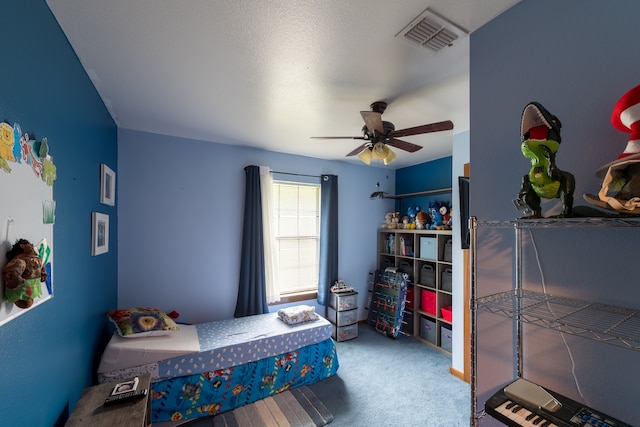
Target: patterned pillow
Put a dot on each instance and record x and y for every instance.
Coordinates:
(141, 322)
(297, 314)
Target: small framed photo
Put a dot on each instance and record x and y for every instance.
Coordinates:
(125, 387)
(99, 233)
(107, 185)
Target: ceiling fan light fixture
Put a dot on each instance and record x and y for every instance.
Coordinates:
(391, 156)
(379, 151)
(365, 156)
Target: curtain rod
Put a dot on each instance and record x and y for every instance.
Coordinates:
(297, 174)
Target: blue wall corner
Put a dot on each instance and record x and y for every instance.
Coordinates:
(51, 351)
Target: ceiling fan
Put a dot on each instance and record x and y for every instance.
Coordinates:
(378, 134)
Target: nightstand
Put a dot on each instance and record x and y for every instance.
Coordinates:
(89, 411)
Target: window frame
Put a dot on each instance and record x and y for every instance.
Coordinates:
(301, 295)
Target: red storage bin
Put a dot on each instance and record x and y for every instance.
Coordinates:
(447, 313)
(428, 301)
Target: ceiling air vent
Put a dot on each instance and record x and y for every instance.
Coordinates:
(432, 31)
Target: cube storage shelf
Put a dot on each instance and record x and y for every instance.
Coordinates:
(425, 255)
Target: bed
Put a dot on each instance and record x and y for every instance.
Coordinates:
(209, 368)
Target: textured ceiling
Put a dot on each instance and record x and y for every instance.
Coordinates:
(271, 74)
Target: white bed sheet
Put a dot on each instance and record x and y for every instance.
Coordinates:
(126, 352)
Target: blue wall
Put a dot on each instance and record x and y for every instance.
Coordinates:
(551, 52)
(48, 355)
(433, 175)
(180, 221)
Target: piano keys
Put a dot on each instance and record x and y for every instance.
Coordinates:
(526, 404)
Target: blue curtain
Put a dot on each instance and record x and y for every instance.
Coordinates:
(328, 273)
(252, 295)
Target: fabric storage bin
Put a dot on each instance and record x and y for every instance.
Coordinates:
(406, 267)
(344, 333)
(428, 248)
(447, 313)
(428, 302)
(407, 319)
(428, 330)
(427, 275)
(386, 263)
(447, 252)
(446, 279)
(410, 301)
(342, 318)
(446, 338)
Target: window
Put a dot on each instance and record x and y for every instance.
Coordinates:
(296, 210)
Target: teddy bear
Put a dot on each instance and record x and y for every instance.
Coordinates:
(23, 274)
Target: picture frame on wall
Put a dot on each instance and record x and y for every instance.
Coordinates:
(107, 185)
(99, 233)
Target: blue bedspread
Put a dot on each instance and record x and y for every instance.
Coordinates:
(217, 391)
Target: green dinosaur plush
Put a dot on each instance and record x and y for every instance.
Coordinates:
(540, 132)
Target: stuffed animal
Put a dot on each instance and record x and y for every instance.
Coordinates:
(540, 141)
(422, 220)
(395, 220)
(435, 215)
(23, 274)
(446, 219)
(388, 220)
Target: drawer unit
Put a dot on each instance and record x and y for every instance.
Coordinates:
(342, 318)
(345, 333)
(343, 301)
(342, 312)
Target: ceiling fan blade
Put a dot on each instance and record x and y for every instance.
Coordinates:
(337, 137)
(404, 145)
(372, 120)
(433, 127)
(357, 150)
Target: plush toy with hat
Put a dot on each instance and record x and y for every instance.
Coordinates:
(540, 133)
(23, 274)
(620, 191)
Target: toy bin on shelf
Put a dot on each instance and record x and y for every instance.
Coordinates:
(427, 275)
(410, 298)
(428, 330)
(428, 302)
(447, 313)
(428, 248)
(446, 338)
(446, 280)
(447, 251)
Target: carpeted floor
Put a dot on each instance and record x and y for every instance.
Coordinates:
(393, 382)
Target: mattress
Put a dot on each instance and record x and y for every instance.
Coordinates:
(220, 345)
(123, 353)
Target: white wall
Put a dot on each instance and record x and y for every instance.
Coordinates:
(460, 157)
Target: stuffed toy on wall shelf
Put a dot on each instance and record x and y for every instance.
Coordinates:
(23, 274)
(620, 191)
(540, 135)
